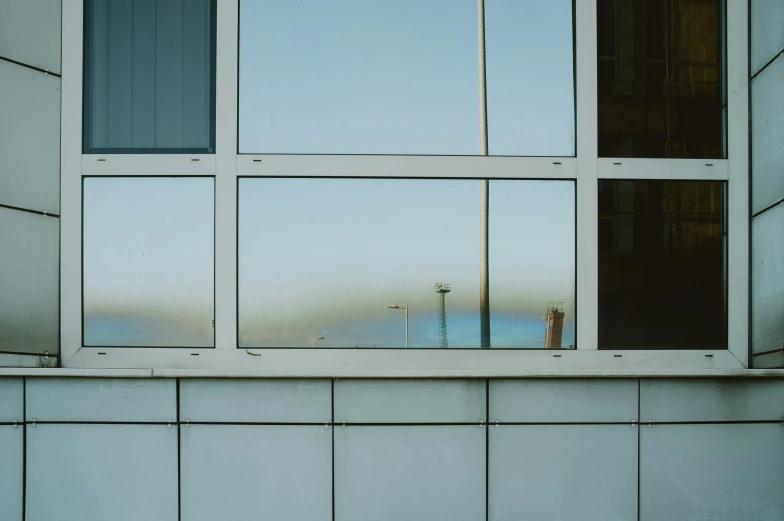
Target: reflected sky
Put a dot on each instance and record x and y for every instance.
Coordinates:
(325, 257)
(401, 77)
(148, 261)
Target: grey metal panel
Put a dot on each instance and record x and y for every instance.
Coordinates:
(548, 472)
(729, 471)
(29, 282)
(767, 31)
(101, 472)
(231, 472)
(29, 138)
(769, 361)
(767, 284)
(767, 153)
(238, 401)
(11, 400)
(101, 399)
(30, 32)
(711, 400)
(563, 401)
(11, 472)
(410, 401)
(391, 473)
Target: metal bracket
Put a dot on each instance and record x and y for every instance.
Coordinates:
(649, 424)
(35, 420)
(188, 422)
(326, 425)
(16, 424)
(482, 423)
(497, 423)
(343, 425)
(634, 423)
(168, 424)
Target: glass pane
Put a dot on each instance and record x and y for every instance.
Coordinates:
(662, 286)
(233, 472)
(661, 83)
(767, 135)
(29, 282)
(767, 32)
(593, 477)
(767, 293)
(148, 261)
(322, 260)
(149, 80)
(532, 262)
(348, 77)
(117, 472)
(530, 77)
(418, 472)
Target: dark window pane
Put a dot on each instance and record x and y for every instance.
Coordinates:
(661, 96)
(322, 272)
(148, 75)
(662, 285)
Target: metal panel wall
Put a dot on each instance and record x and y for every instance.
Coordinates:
(30, 32)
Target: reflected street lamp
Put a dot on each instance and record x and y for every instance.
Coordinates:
(316, 339)
(404, 308)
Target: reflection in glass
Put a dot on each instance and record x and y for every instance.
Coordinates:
(149, 80)
(530, 77)
(327, 257)
(662, 272)
(402, 77)
(148, 261)
(661, 84)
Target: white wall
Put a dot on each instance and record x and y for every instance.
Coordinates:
(156, 449)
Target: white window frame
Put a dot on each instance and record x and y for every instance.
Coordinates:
(227, 165)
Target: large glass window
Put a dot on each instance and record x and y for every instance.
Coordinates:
(402, 77)
(661, 78)
(148, 261)
(387, 263)
(662, 262)
(149, 76)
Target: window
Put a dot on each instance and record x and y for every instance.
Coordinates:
(322, 260)
(662, 280)
(149, 76)
(661, 78)
(401, 77)
(148, 261)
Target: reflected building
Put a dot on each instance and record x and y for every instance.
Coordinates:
(554, 325)
(661, 85)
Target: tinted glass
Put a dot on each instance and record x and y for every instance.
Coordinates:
(402, 77)
(148, 261)
(662, 280)
(149, 75)
(660, 78)
(321, 261)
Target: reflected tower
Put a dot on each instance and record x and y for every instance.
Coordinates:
(441, 291)
(554, 325)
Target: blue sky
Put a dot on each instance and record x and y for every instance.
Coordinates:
(401, 77)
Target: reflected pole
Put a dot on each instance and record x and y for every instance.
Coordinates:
(484, 275)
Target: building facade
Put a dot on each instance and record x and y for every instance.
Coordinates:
(212, 213)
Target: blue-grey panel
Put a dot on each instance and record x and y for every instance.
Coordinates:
(767, 284)
(767, 31)
(11, 472)
(769, 361)
(30, 32)
(101, 399)
(243, 472)
(718, 471)
(563, 401)
(767, 135)
(101, 472)
(711, 400)
(391, 473)
(410, 401)
(11, 400)
(29, 282)
(549, 472)
(30, 144)
(241, 401)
